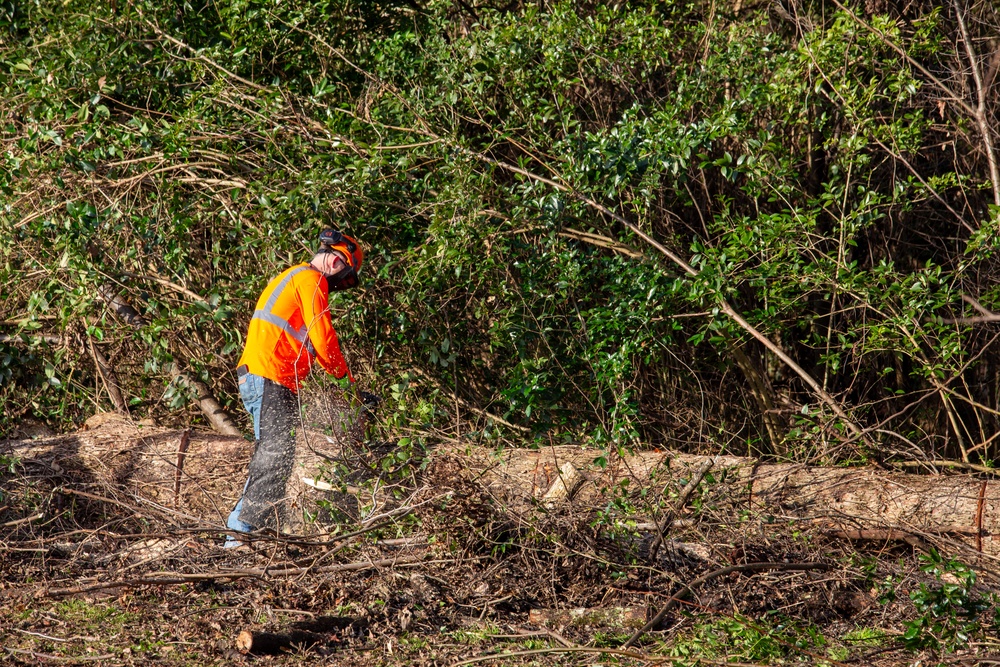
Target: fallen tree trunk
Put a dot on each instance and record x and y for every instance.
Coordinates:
(190, 477)
(150, 470)
(963, 507)
(209, 405)
(203, 477)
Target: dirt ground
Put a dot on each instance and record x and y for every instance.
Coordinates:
(428, 561)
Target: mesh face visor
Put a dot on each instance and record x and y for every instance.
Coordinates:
(345, 279)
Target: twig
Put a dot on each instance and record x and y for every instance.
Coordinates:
(561, 649)
(689, 588)
(198, 54)
(93, 496)
(981, 319)
(27, 519)
(948, 464)
(60, 658)
(402, 511)
(880, 535)
(469, 406)
(167, 283)
(979, 516)
(41, 636)
(28, 338)
(173, 578)
(601, 242)
(182, 448)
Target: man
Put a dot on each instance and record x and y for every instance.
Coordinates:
(290, 327)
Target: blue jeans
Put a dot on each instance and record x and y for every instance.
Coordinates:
(252, 393)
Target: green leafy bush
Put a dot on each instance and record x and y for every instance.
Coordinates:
(180, 157)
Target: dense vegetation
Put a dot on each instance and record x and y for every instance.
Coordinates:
(615, 224)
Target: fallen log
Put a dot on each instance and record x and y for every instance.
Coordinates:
(964, 507)
(146, 469)
(270, 643)
(201, 481)
(190, 477)
(596, 617)
(301, 635)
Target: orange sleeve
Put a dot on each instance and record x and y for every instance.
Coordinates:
(314, 296)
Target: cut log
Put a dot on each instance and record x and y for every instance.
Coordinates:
(303, 634)
(137, 466)
(193, 479)
(581, 617)
(270, 643)
(963, 507)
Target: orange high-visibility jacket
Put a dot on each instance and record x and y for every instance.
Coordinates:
(290, 327)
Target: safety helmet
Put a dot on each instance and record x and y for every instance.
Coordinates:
(331, 240)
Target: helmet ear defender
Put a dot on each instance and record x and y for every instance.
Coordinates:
(329, 238)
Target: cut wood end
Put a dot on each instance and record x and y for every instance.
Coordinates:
(320, 485)
(317, 484)
(244, 641)
(568, 479)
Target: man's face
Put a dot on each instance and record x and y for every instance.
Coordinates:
(342, 256)
(339, 274)
(331, 263)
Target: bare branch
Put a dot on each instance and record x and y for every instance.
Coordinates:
(980, 111)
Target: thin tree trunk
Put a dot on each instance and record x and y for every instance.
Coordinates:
(210, 406)
(216, 415)
(108, 377)
(979, 113)
(761, 389)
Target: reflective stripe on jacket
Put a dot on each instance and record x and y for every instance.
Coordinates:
(290, 327)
